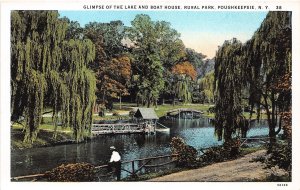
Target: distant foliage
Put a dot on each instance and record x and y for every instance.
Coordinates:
(185, 68)
(206, 87)
(71, 173)
(186, 154)
(184, 75)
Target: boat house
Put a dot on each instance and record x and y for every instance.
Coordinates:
(147, 117)
(146, 114)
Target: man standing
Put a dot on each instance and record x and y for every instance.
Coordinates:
(115, 162)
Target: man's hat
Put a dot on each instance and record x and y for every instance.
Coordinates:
(112, 148)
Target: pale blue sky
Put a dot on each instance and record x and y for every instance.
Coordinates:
(202, 31)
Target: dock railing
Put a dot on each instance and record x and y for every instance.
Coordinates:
(257, 139)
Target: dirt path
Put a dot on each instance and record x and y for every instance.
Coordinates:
(236, 170)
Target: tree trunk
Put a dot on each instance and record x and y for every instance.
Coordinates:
(272, 134)
(148, 102)
(120, 101)
(227, 135)
(173, 101)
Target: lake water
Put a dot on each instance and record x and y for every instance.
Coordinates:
(198, 133)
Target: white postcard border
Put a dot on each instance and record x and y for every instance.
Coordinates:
(7, 6)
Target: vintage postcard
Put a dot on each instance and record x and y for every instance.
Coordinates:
(115, 92)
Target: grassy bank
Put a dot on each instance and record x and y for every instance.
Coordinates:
(45, 137)
(161, 110)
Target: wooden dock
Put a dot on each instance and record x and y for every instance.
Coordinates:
(122, 128)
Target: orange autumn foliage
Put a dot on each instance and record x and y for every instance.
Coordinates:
(185, 68)
(115, 76)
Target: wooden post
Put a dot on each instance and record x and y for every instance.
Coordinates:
(120, 101)
(132, 164)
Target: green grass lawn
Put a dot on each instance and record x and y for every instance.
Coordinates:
(45, 136)
(161, 110)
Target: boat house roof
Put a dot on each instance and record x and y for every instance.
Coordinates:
(146, 113)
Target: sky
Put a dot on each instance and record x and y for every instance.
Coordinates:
(202, 31)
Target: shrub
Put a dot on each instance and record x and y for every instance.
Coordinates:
(232, 148)
(211, 109)
(277, 174)
(213, 154)
(187, 155)
(229, 150)
(71, 172)
(280, 155)
(116, 113)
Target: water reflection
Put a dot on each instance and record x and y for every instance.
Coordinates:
(198, 133)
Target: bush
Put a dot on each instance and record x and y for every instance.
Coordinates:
(211, 109)
(115, 113)
(187, 155)
(229, 150)
(71, 172)
(213, 154)
(281, 156)
(232, 148)
(278, 175)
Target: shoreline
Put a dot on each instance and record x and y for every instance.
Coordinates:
(44, 139)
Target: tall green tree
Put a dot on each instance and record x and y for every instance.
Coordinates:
(49, 71)
(175, 54)
(269, 59)
(156, 48)
(228, 87)
(206, 87)
(262, 65)
(111, 62)
(197, 60)
(147, 65)
(183, 80)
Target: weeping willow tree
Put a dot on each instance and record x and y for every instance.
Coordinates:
(228, 75)
(184, 75)
(206, 87)
(182, 88)
(269, 60)
(49, 71)
(259, 66)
